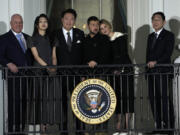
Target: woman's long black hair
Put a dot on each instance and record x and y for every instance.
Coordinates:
(36, 23)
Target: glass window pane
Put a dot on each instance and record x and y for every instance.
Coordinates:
(54, 10)
(85, 9)
(114, 11)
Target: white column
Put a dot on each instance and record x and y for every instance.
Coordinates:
(4, 17)
(156, 5)
(138, 28)
(32, 9)
(7, 8)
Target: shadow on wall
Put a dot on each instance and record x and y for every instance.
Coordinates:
(174, 26)
(138, 56)
(3, 27)
(139, 53)
(130, 48)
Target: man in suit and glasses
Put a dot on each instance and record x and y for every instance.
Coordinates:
(14, 54)
(159, 50)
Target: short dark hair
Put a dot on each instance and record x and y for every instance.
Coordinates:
(71, 11)
(92, 18)
(159, 13)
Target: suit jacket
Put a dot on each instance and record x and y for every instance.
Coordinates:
(163, 48)
(74, 57)
(10, 51)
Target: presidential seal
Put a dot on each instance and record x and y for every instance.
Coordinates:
(93, 101)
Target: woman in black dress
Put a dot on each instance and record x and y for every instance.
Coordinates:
(44, 92)
(124, 81)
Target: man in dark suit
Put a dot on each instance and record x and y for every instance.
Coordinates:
(96, 46)
(159, 50)
(68, 49)
(14, 54)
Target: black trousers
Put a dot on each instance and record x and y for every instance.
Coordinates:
(16, 104)
(124, 88)
(68, 85)
(161, 100)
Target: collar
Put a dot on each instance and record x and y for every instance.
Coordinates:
(16, 33)
(158, 32)
(65, 31)
(116, 35)
(22, 37)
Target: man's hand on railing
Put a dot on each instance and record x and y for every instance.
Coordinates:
(51, 71)
(12, 67)
(151, 64)
(83, 78)
(92, 64)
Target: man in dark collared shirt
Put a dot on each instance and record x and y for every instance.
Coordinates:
(96, 46)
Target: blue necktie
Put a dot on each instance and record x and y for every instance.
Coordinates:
(21, 42)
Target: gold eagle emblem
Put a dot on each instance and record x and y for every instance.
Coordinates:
(93, 100)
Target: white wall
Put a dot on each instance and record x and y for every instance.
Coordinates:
(32, 9)
(138, 28)
(29, 9)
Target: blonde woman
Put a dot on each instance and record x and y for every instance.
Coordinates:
(124, 84)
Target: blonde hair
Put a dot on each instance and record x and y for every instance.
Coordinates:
(106, 22)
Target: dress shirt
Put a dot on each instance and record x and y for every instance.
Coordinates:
(65, 34)
(22, 38)
(158, 32)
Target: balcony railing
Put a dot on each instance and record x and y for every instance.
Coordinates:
(37, 101)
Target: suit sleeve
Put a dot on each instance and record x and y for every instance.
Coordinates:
(82, 37)
(169, 45)
(124, 57)
(147, 49)
(3, 48)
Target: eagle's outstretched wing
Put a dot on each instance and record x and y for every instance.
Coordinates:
(88, 101)
(99, 99)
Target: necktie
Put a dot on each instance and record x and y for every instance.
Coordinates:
(154, 40)
(69, 43)
(21, 42)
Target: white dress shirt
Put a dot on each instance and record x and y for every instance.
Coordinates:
(65, 34)
(158, 32)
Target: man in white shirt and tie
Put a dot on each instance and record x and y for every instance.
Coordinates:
(70, 40)
(68, 50)
(14, 54)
